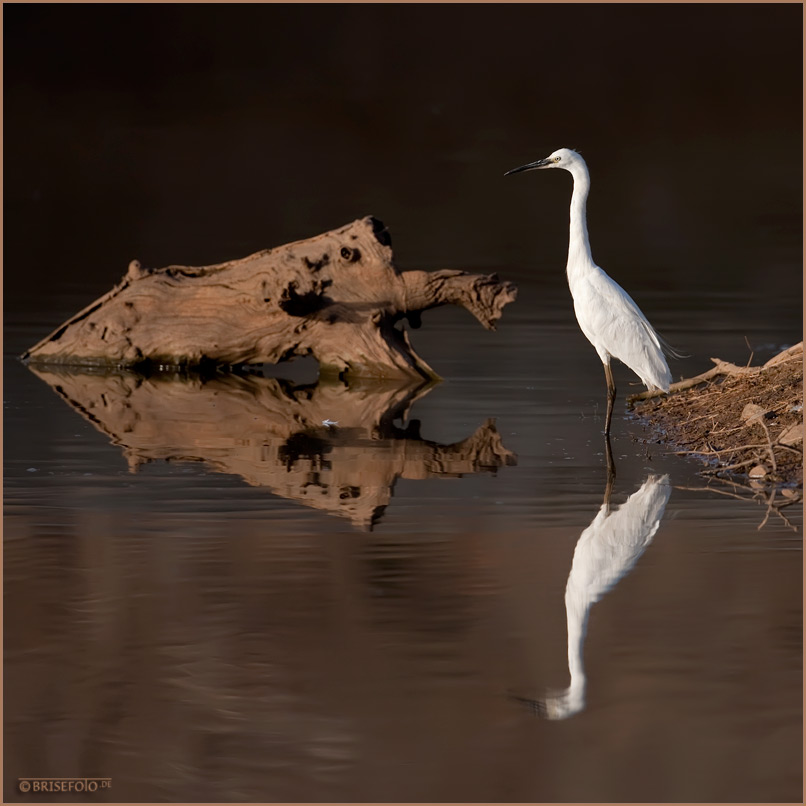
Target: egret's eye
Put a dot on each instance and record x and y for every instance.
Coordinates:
(556, 159)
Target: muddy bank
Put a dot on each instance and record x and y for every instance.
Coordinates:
(744, 423)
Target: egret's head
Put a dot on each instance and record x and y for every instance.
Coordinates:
(561, 158)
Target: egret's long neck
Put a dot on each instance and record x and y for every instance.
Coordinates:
(577, 606)
(579, 249)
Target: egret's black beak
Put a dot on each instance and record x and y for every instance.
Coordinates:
(532, 166)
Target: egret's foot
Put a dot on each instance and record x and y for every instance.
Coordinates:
(536, 707)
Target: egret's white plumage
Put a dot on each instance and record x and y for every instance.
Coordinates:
(606, 313)
(605, 552)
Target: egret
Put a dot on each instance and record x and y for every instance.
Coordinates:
(607, 315)
(605, 553)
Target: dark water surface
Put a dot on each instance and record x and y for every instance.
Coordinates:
(210, 595)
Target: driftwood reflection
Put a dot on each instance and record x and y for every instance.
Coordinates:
(327, 445)
(605, 552)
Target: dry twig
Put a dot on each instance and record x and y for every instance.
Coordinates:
(758, 496)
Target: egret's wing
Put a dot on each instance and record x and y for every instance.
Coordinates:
(610, 319)
(618, 296)
(612, 544)
(619, 305)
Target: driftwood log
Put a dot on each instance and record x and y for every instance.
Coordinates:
(325, 445)
(337, 296)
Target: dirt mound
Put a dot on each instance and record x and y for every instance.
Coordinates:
(745, 423)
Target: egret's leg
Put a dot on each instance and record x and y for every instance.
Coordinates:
(611, 474)
(611, 396)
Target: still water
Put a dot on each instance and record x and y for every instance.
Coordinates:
(211, 595)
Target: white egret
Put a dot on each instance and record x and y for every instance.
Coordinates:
(606, 313)
(605, 552)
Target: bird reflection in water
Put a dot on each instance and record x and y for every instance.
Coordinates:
(605, 552)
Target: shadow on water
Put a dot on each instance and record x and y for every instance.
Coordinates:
(606, 551)
(327, 445)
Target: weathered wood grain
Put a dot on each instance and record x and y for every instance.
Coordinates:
(336, 296)
(273, 434)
